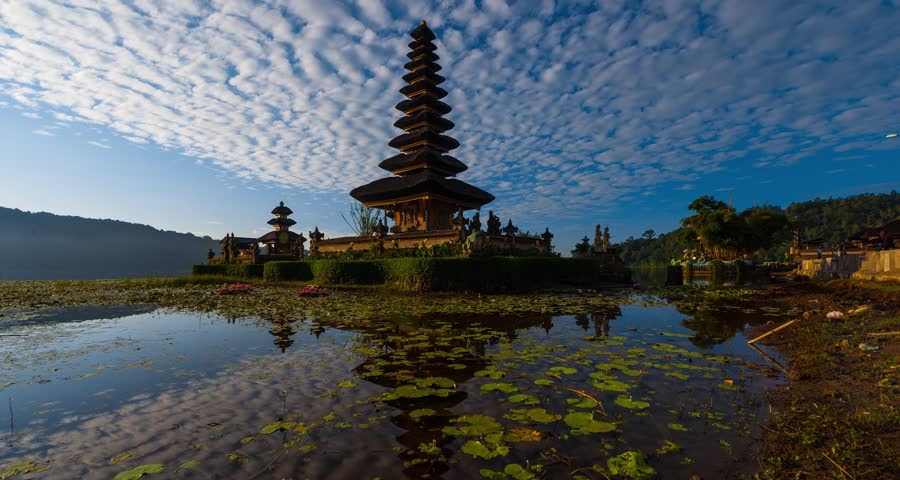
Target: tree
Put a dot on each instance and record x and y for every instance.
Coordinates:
(648, 234)
(362, 219)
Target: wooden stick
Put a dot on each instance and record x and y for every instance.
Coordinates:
(881, 334)
(836, 465)
(786, 324)
(770, 359)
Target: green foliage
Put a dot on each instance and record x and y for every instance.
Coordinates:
(766, 230)
(482, 274)
(362, 272)
(361, 219)
(287, 271)
(233, 270)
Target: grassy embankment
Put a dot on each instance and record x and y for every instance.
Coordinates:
(838, 416)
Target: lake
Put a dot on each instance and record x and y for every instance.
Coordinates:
(636, 387)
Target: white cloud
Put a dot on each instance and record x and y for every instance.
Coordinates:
(571, 108)
(43, 132)
(98, 144)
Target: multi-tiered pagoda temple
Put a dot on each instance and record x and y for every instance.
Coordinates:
(420, 197)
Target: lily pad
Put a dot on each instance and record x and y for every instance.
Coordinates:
(563, 370)
(273, 427)
(473, 425)
(421, 412)
(499, 387)
(477, 449)
(138, 472)
(524, 399)
(631, 465)
(677, 426)
(627, 402)
(346, 384)
(667, 447)
(122, 457)
(528, 415)
(583, 423)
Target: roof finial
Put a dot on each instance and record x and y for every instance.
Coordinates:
(281, 204)
(423, 22)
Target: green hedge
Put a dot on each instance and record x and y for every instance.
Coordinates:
(482, 274)
(364, 272)
(287, 271)
(237, 270)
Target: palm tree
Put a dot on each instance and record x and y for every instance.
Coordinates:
(362, 219)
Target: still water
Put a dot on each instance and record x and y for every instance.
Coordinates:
(622, 392)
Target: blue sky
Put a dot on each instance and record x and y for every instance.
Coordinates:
(201, 115)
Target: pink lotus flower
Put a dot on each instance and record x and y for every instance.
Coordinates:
(312, 291)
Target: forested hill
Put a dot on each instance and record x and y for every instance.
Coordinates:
(37, 246)
(832, 219)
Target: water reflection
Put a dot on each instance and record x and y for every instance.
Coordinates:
(177, 387)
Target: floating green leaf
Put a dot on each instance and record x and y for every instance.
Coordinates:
(631, 465)
(273, 427)
(346, 384)
(627, 402)
(583, 423)
(138, 472)
(668, 446)
(543, 382)
(188, 465)
(21, 469)
(499, 387)
(421, 412)
(480, 450)
(524, 399)
(473, 425)
(122, 457)
(527, 415)
(563, 370)
(677, 426)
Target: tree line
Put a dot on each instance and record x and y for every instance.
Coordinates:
(763, 233)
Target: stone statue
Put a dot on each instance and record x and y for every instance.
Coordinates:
(211, 255)
(316, 236)
(475, 222)
(510, 230)
(255, 251)
(598, 238)
(606, 239)
(493, 224)
(380, 230)
(299, 250)
(460, 222)
(547, 237)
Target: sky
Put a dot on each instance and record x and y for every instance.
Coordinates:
(200, 116)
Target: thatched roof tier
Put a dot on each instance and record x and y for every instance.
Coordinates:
(285, 222)
(422, 53)
(276, 237)
(423, 33)
(422, 185)
(421, 45)
(422, 65)
(409, 163)
(423, 138)
(423, 88)
(423, 102)
(413, 77)
(282, 210)
(424, 118)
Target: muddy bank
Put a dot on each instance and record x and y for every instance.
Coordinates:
(837, 417)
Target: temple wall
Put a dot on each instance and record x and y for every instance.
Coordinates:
(883, 265)
(865, 266)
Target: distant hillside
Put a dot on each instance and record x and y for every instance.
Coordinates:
(832, 219)
(37, 246)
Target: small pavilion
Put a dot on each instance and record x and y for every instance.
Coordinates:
(282, 241)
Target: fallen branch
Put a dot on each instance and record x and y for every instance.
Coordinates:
(882, 334)
(836, 465)
(786, 324)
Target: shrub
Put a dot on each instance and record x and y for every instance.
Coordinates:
(362, 272)
(234, 270)
(287, 270)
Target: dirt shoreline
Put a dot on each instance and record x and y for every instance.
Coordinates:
(839, 415)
